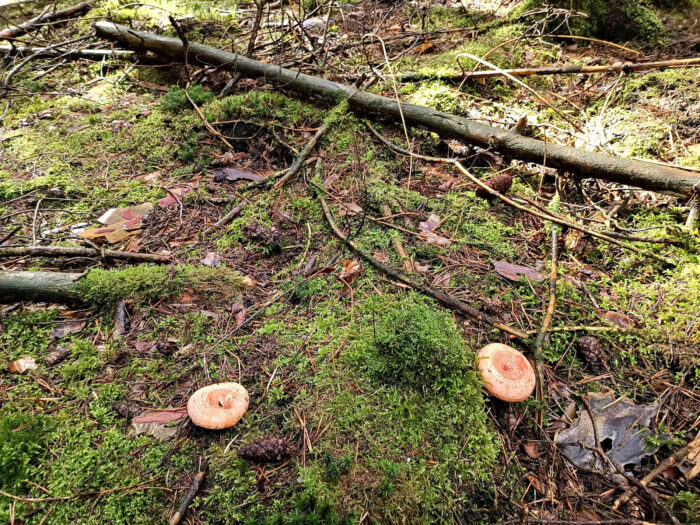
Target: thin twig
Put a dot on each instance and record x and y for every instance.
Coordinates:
(71, 251)
(303, 154)
(423, 288)
(188, 498)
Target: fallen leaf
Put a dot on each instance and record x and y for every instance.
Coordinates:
(442, 280)
(620, 320)
(117, 215)
(23, 364)
(144, 346)
(233, 174)
(351, 270)
(150, 177)
(436, 240)
(211, 259)
(331, 179)
(693, 459)
(622, 428)
(530, 448)
(241, 316)
(429, 225)
(121, 223)
(161, 416)
(426, 47)
(348, 209)
(226, 159)
(694, 149)
(58, 355)
(180, 192)
(514, 271)
(64, 329)
(381, 257)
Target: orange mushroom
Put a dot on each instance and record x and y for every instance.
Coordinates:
(507, 374)
(218, 406)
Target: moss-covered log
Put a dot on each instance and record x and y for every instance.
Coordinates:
(585, 164)
(38, 286)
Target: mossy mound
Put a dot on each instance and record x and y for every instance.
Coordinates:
(417, 346)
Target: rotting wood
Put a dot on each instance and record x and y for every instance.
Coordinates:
(38, 286)
(71, 251)
(583, 163)
(17, 30)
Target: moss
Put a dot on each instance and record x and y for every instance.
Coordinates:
(175, 100)
(616, 21)
(147, 284)
(416, 346)
(261, 105)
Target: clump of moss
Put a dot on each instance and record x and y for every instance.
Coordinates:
(146, 284)
(175, 99)
(621, 20)
(417, 345)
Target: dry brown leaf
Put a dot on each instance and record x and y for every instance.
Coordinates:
(351, 270)
(381, 257)
(693, 458)
(180, 192)
(442, 280)
(621, 320)
(530, 448)
(23, 364)
(348, 209)
(234, 174)
(64, 329)
(211, 259)
(514, 271)
(161, 416)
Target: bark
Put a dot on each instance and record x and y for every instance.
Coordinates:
(17, 30)
(38, 286)
(585, 164)
(95, 54)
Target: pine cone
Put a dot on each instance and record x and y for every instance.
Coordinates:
(501, 183)
(589, 348)
(266, 450)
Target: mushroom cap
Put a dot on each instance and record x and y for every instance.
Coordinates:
(507, 374)
(218, 406)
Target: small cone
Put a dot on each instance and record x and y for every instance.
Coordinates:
(266, 450)
(589, 349)
(501, 183)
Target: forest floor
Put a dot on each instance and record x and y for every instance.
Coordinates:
(371, 386)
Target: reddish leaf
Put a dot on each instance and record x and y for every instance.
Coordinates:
(241, 317)
(531, 449)
(180, 192)
(514, 271)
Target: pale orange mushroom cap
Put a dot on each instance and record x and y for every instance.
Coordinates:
(507, 374)
(218, 406)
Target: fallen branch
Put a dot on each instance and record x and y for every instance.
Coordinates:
(11, 50)
(18, 30)
(70, 251)
(226, 218)
(618, 67)
(585, 164)
(188, 498)
(539, 211)
(38, 286)
(423, 288)
(303, 154)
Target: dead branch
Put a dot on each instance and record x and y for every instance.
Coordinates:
(70, 251)
(423, 288)
(617, 67)
(18, 30)
(226, 218)
(97, 54)
(585, 164)
(303, 154)
(188, 498)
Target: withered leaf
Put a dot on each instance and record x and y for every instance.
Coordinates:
(514, 271)
(530, 448)
(161, 416)
(23, 364)
(442, 280)
(211, 259)
(180, 192)
(351, 270)
(64, 329)
(620, 320)
(348, 209)
(233, 174)
(622, 430)
(429, 225)
(381, 257)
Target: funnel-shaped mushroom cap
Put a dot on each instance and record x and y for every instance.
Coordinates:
(218, 406)
(506, 373)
